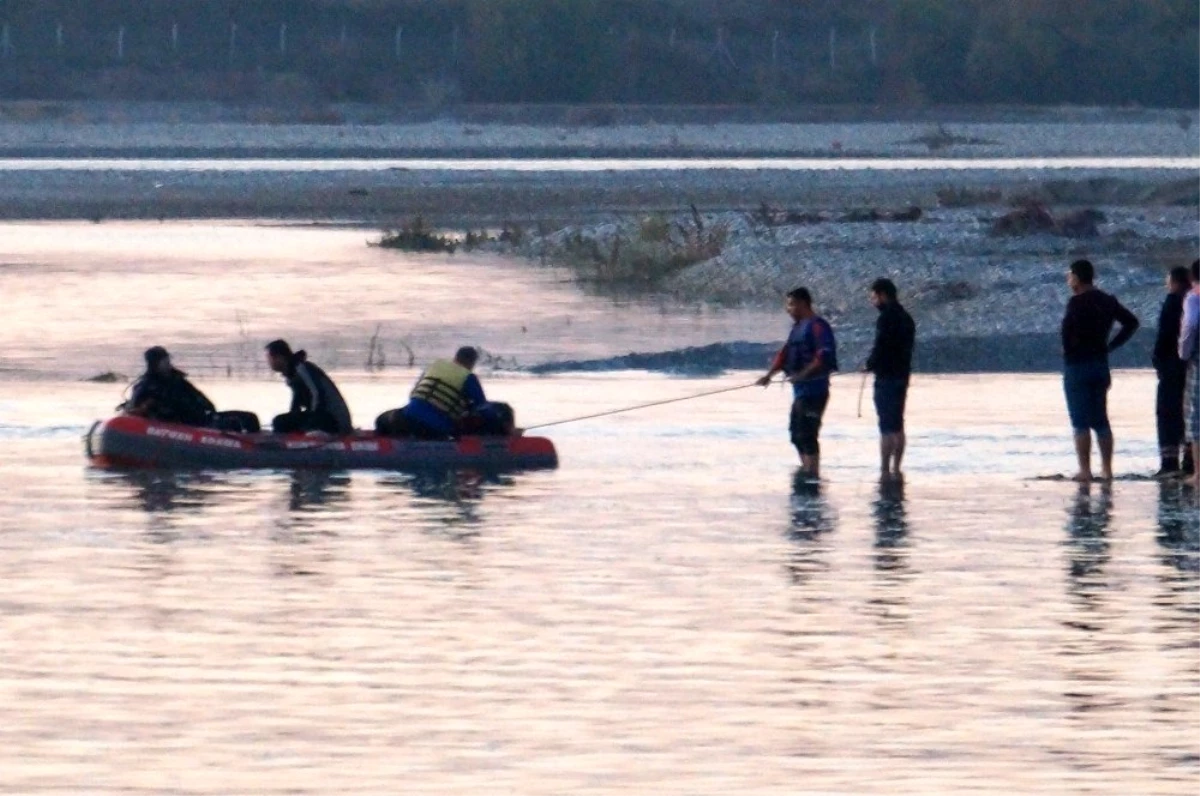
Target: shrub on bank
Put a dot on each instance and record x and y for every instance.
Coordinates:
(417, 236)
(645, 255)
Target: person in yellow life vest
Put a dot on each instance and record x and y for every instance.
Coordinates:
(448, 400)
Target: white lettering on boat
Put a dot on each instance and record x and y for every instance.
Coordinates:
(155, 431)
(221, 442)
(364, 446)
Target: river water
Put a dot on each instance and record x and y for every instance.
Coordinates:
(548, 165)
(668, 611)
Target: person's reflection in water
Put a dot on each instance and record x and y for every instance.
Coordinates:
(167, 497)
(1179, 527)
(313, 497)
(891, 527)
(1087, 543)
(314, 490)
(166, 491)
(461, 491)
(811, 519)
(891, 553)
(1179, 541)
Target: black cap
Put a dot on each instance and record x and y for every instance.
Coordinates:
(279, 348)
(155, 355)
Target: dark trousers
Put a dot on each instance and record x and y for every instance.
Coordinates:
(805, 423)
(1168, 408)
(292, 422)
(236, 420)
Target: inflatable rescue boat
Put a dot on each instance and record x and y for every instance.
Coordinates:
(135, 442)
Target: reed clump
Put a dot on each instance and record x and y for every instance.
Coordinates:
(416, 235)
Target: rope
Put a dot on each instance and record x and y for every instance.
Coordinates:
(642, 406)
(661, 403)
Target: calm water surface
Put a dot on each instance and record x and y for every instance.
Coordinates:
(669, 611)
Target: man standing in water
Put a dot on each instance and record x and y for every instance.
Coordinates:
(891, 362)
(1189, 352)
(1172, 375)
(1086, 326)
(808, 358)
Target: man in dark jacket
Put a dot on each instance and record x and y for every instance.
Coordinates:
(1172, 377)
(891, 362)
(164, 393)
(316, 403)
(1090, 316)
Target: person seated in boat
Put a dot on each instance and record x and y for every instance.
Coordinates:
(448, 401)
(316, 403)
(164, 393)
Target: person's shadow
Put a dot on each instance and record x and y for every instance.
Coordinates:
(810, 520)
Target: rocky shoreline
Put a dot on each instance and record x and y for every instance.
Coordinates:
(983, 301)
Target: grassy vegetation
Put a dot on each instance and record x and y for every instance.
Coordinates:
(659, 248)
(416, 235)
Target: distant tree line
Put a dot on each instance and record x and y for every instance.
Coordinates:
(771, 52)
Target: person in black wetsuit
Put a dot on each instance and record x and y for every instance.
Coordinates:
(891, 362)
(164, 393)
(1090, 316)
(316, 403)
(1172, 378)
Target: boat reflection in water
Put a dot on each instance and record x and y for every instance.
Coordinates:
(451, 498)
(164, 491)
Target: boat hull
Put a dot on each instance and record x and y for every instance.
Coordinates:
(127, 442)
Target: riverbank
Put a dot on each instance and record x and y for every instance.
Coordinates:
(983, 301)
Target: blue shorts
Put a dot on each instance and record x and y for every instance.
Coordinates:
(1086, 386)
(890, 395)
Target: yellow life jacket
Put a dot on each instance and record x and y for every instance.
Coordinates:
(441, 386)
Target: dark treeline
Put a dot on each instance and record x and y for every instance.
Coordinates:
(770, 52)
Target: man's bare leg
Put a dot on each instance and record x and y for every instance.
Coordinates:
(1105, 443)
(885, 456)
(1083, 453)
(900, 440)
(810, 463)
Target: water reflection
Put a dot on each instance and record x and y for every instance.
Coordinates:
(891, 527)
(811, 520)
(456, 494)
(1088, 546)
(166, 491)
(317, 490)
(1179, 527)
(301, 536)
